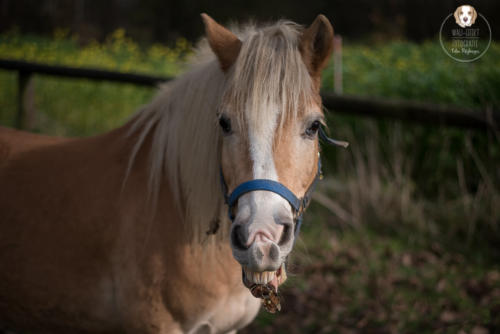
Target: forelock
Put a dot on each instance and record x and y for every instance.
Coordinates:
(269, 76)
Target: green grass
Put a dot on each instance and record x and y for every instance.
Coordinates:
(419, 250)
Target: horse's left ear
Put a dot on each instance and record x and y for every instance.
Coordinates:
(316, 45)
(223, 42)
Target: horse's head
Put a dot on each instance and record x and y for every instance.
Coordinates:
(269, 119)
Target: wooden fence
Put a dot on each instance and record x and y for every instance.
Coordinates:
(429, 114)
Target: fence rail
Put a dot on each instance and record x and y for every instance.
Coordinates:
(82, 73)
(429, 114)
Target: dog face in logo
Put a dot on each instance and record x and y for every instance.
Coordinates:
(465, 16)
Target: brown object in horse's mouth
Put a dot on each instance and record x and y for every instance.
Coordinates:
(269, 295)
(268, 292)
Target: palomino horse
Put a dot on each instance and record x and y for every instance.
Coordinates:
(128, 231)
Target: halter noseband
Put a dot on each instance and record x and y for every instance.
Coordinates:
(298, 205)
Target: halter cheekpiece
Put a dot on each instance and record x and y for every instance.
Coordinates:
(298, 205)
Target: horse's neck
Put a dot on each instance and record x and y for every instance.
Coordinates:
(166, 206)
(168, 234)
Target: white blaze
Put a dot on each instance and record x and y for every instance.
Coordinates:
(263, 204)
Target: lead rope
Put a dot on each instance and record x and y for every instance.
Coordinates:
(331, 141)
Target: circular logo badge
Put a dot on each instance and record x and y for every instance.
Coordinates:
(465, 35)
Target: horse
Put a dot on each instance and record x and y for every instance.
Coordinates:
(139, 230)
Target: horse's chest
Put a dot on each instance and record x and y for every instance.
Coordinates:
(231, 312)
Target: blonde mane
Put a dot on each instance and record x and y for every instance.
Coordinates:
(182, 119)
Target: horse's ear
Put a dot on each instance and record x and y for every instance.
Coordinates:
(316, 45)
(223, 42)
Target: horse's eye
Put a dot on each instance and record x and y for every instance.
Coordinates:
(313, 128)
(225, 124)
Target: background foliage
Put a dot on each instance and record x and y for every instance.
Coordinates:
(152, 20)
(404, 233)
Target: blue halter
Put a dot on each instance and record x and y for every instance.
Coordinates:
(298, 205)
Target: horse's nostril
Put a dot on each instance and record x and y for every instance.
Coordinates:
(286, 235)
(274, 252)
(237, 238)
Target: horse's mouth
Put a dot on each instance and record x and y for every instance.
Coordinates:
(273, 278)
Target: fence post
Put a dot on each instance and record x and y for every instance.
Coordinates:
(26, 101)
(337, 64)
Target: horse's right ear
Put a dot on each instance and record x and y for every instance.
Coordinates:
(223, 42)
